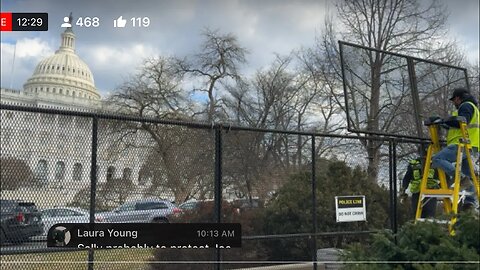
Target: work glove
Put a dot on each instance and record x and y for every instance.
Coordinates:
(403, 196)
(435, 119)
(439, 121)
(445, 126)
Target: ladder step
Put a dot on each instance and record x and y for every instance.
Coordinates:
(442, 196)
(441, 221)
(439, 191)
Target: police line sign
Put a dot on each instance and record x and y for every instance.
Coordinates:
(350, 208)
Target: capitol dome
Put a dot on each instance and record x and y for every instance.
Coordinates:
(63, 74)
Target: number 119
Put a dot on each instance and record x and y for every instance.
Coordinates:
(140, 22)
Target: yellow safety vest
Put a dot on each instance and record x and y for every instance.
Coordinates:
(417, 177)
(454, 134)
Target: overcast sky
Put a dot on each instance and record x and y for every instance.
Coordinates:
(263, 27)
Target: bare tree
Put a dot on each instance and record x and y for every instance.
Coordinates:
(405, 26)
(216, 64)
(474, 79)
(156, 91)
(172, 155)
(266, 102)
(180, 163)
(284, 96)
(324, 98)
(15, 173)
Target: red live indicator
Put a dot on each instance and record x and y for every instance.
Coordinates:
(5, 21)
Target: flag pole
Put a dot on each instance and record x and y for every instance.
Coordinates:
(13, 65)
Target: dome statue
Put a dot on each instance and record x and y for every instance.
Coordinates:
(64, 74)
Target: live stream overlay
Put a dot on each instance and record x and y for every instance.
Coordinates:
(145, 235)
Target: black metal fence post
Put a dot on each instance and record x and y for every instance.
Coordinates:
(93, 183)
(314, 206)
(390, 182)
(218, 187)
(394, 180)
(392, 164)
(417, 108)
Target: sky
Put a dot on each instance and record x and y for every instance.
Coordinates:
(265, 28)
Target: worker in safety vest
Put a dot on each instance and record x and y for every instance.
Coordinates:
(412, 179)
(467, 107)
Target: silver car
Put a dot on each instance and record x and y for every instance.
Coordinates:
(52, 216)
(142, 211)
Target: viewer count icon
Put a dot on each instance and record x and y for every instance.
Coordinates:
(67, 21)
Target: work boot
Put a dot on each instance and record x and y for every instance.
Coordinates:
(466, 207)
(465, 183)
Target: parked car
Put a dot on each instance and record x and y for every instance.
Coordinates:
(19, 221)
(52, 216)
(190, 205)
(142, 211)
(204, 210)
(248, 203)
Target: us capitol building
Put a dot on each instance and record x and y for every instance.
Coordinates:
(57, 147)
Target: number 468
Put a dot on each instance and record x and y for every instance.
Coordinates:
(88, 22)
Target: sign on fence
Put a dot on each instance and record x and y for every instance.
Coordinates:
(350, 208)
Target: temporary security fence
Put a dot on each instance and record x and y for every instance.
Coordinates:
(80, 166)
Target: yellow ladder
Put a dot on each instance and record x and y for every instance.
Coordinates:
(449, 195)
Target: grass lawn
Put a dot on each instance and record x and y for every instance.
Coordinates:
(123, 259)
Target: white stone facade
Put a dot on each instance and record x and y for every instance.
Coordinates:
(57, 148)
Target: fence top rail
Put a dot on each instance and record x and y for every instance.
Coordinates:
(341, 42)
(306, 235)
(215, 125)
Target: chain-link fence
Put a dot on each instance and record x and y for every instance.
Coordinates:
(391, 94)
(70, 166)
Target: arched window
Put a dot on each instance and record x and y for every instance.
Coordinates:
(7, 135)
(145, 176)
(127, 174)
(60, 171)
(110, 173)
(77, 172)
(41, 171)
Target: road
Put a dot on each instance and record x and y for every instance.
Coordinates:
(27, 247)
(35, 245)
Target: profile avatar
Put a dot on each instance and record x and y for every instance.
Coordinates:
(61, 236)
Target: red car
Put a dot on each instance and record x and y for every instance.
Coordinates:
(19, 221)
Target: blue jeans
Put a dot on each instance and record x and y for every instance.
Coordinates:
(444, 160)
